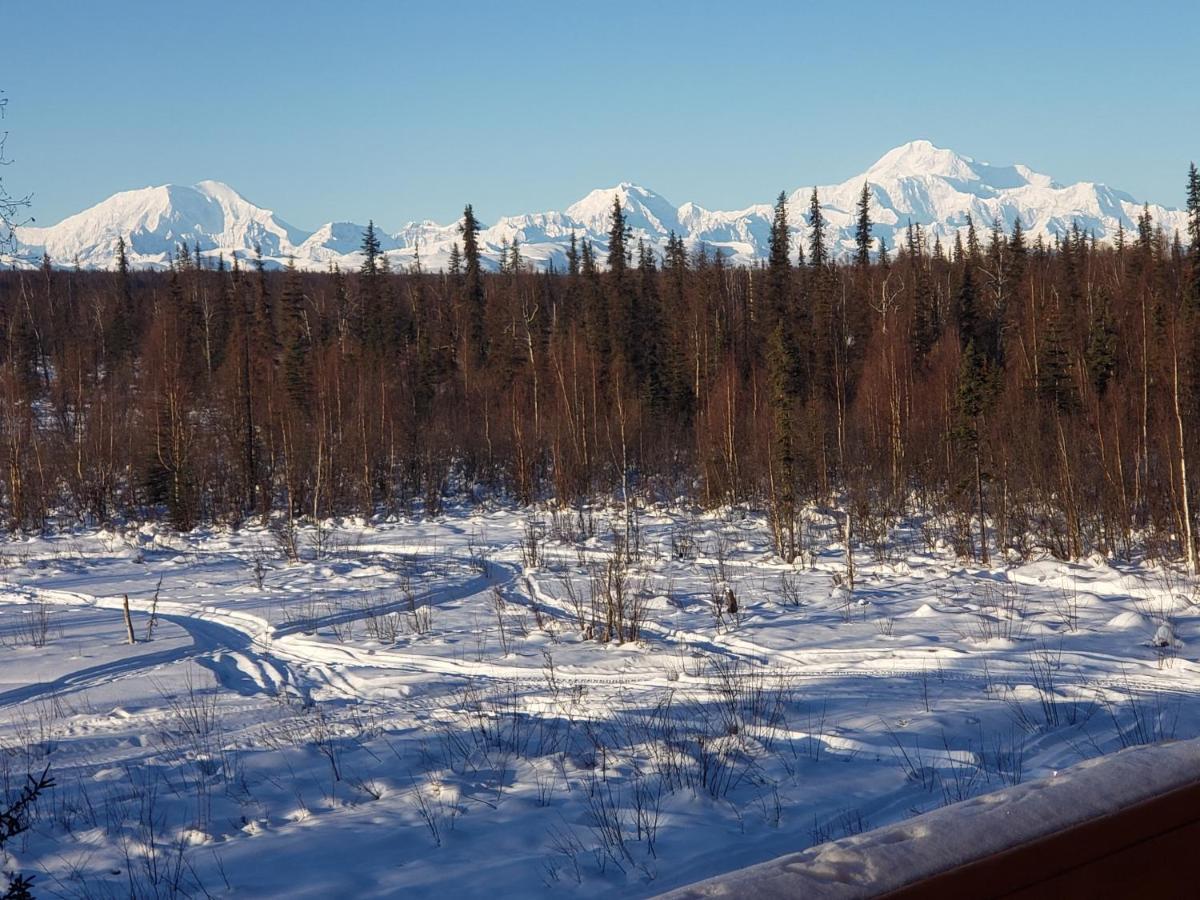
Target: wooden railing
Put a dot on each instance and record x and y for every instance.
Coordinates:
(1125, 825)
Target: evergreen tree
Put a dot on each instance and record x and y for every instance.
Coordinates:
(622, 293)
(370, 251)
(970, 398)
(573, 256)
(266, 334)
(595, 305)
(648, 348)
(454, 266)
(297, 377)
(1055, 387)
(1017, 251)
(618, 233)
(926, 327)
(862, 230)
(1144, 258)
(1100, 355)
(514, 256)
(1193, 230)
(779, 267)
(971, 402)
(503, 259)
(675, 324)
(966, 312)
(972, 241)
(782, 368)
(473, 288)
(371, 327)
(783, 457)
(817, 253)
(121, 329)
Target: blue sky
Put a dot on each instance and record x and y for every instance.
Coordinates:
(401, 110)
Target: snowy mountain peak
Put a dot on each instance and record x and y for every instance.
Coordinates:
(219, 190)
(930, 186)
(644, 209)
(921, 158)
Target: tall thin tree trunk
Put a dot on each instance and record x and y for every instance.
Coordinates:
(1190, 550)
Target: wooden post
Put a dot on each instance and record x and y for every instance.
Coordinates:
(849, 553)
(129, 622)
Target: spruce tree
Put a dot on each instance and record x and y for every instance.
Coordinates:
(966, 312)
(503, 258)
(370, 251)
(1193, 230)
(648, 348)
(862, 231)
(1100, 354)
(595, 305)
(971, 401)
(514, 256)
(1017, 251)
(622, 293)
(121, 330)
(297, 377)
(473, 288)
(371, 329)
(1145, 241)
(266, 334)
(926, 327)
(783, 458)
(1055, 387)
(618, 233)
(779, 267)
(573, 256)
(817, 253)
(972, 241)
(782, 366)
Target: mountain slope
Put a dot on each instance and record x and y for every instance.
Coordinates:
(918, 182)
(155, 221)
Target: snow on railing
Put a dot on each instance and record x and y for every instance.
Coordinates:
(1111, 826)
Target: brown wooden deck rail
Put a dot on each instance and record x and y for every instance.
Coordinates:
(1126, 825)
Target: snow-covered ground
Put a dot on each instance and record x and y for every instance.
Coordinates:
(413, 706)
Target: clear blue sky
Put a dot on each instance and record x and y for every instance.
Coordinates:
(401, 110)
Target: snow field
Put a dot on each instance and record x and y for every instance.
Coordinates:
(424, 707)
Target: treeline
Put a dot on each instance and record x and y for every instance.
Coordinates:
(1013, 393)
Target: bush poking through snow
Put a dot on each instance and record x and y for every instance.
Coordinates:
(14, 820)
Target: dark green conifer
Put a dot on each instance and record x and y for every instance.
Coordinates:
(473, 287)
(862, 230)
(817, 253)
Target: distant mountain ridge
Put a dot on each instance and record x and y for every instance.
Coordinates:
(918, 182)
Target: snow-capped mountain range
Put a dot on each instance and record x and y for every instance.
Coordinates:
(915, 182)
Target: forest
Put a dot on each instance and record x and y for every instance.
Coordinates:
(1013, 395)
